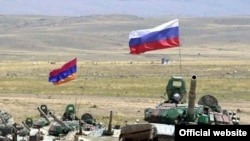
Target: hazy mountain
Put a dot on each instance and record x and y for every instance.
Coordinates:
(105, 37)
(130, 7)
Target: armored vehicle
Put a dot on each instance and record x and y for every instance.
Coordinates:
(7, 124)
(70, 127)
(50, 127)
(160, 121)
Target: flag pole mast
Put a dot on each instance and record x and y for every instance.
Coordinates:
(180, 55)
(180, 61)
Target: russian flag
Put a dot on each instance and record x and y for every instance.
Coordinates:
(160, 37)
(64, 74)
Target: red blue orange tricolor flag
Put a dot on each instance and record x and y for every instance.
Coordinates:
(64, 74)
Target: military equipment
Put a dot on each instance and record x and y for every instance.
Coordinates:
(37, 130)
(50, 127)
(71, 123)
(160, 120)
(85, 128)
(109, 131)
(88, 118)
(176, 85)
(9, 129)
(26, 126)
(5, 128)
(42, 121)
(61, 127)
(70, 113)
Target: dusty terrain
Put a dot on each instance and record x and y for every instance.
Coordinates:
(58, 39)
(125, 109)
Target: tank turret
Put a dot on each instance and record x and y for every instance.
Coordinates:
(60, 127)
(173, 111)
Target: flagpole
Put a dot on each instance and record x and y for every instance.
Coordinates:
(180, 55)
(180, 61)
(79, 104)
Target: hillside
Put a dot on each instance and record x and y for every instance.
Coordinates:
(118, 87)
(105, 38)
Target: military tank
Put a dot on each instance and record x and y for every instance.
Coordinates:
(160, 121)
(51, 127)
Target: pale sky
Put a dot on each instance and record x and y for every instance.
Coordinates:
(143, 8)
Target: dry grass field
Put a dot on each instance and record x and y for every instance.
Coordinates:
(124, 88)
(108, 78)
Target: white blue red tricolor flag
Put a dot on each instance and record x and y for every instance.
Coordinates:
(159, 37)
(66, 73)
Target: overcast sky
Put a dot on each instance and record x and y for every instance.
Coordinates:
(143, 8)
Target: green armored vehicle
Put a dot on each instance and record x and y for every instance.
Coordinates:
(161, 120)
(7, 125)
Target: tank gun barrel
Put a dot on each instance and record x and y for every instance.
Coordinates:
(59, 121)
(191, 98)
(109, 130)
(44, 115)
(26, 126)
(110, 121)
